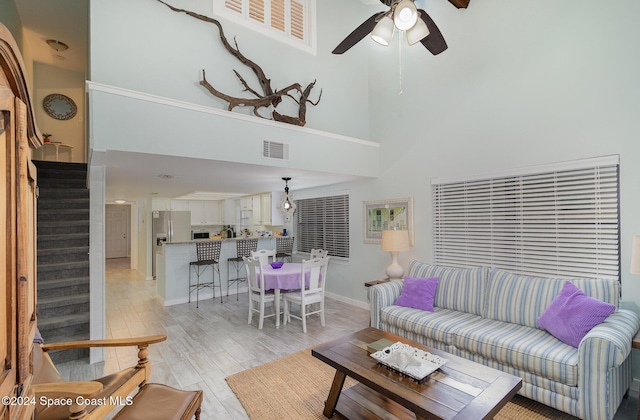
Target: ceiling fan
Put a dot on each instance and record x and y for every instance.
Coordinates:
(404, 16)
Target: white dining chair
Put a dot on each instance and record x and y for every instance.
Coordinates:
(316, 271)
(318, 253)
(257, 292)
(265, 256)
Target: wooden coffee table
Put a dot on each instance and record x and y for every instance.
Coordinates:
(460, 389)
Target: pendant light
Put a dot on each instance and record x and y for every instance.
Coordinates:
(287, 205)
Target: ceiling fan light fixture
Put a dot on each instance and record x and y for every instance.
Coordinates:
(405, 15)
(383, 31)
(418, 32)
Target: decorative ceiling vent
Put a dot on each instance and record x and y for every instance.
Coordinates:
(275, 150)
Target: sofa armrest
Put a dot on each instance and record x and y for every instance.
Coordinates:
(604, 363)
(611, 339)
(381, 296)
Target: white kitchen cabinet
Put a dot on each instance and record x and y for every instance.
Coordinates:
(265, 209)
(205, 212)
(246, 203)
(230, 211)
(160, 204)
(256, 206)
(180, 205)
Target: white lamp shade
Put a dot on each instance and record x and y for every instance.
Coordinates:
(383, 31)
(395, 240)
(635, 255)
(418, 32)
(405, 15)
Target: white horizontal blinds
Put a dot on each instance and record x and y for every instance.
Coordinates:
(286, 16)
(278, 20)
(297, 19)
(323, 223)
(256, 10)
(235, 5)
(563, 222)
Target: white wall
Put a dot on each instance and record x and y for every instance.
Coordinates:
(523, 83)
(47, 80)
(161, 52)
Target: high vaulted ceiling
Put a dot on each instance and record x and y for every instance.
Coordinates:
(132, 175)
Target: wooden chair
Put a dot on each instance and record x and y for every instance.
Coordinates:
(265, 256)
(318, 253)
(111, 389)
(257, 292)
(316, 272)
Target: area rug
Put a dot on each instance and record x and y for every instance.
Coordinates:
(296, 386)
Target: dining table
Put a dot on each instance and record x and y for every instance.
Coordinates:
(286, 277)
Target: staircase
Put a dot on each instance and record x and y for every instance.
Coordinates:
(63, 255)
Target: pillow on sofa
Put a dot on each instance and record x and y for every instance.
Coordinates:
(572, 314)
(418, 293)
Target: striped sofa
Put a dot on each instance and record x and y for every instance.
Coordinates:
(489, 316)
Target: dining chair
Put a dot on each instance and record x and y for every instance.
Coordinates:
(244, 248)
(284, 247)
(318, 253)
(208, 255)
(316, 272)
(257, 292)
(264, 255)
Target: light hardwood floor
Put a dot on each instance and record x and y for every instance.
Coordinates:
(207, 344)
(204, 345)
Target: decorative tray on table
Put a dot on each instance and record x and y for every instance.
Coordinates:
(413, 362)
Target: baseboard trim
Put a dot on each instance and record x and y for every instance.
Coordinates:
(353, 302)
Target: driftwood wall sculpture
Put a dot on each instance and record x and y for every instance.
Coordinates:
(268, 97)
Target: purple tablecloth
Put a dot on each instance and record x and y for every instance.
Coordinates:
(287, 277)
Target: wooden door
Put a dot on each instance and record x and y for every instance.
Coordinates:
(8, 333)
(18, 135)
(116, 231)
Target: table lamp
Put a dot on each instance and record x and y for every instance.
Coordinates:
(635, 255)
(395, 241)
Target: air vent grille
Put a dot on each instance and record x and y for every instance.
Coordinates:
(275, 150)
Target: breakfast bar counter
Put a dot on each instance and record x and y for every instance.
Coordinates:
(172, 268)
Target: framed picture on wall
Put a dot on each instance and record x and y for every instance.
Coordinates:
(387, 214)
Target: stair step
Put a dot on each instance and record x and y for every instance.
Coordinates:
(54, 193)
(62, 266)
(49, 307)
(64, 325)
(47, 273)
(62, 287)
(63, 240)
(62, 203)
(63, 214)
(63, 255)
(62, 227)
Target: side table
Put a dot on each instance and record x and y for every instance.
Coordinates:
(373, 283)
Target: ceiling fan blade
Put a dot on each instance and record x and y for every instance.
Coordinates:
(360, 32)
(434, 42)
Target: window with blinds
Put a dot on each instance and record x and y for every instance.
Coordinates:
(323, 223)
(555, 220)
(288, 18)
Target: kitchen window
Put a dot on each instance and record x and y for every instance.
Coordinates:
(289, 21)
(323, 223)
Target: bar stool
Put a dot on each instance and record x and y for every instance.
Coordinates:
(284, 247)
(208, 254)
(244, 248)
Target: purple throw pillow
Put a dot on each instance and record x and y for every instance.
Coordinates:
(418, 293)
(572, 314)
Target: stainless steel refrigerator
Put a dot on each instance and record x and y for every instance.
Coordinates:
(169, 226)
